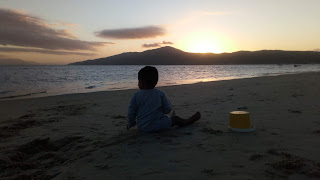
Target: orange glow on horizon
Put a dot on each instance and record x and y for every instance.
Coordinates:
(205, 42)
(205, 46)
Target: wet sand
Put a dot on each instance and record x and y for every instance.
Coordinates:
(84, 136)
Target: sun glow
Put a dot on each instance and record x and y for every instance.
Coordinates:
(205, 46)
(204, 42)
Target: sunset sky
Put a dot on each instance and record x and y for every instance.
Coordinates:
(65, 31)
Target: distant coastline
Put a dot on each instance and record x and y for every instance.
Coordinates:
(16, 62)
(171, 56)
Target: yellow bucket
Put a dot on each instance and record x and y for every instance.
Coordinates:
(240, 121)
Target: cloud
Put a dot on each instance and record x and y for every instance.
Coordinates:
(132, 33)
(151, 45)
(156, 44)
(63, 24)
(318, 49)
(166, 42)
(20, 29)
(43, 51)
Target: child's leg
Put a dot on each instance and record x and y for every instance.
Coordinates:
(176, 120)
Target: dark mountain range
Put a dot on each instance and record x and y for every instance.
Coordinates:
(172, 56)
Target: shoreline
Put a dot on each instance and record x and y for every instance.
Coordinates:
(36, 94)
(53, 137)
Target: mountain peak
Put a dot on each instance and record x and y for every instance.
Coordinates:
(165, 50)
(169, 48)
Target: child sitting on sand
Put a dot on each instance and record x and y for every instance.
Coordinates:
(149, 106)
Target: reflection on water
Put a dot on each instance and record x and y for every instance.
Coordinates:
(37, 81)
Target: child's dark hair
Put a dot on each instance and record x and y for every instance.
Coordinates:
(149, 75)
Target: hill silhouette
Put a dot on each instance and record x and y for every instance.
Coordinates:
(171, 56)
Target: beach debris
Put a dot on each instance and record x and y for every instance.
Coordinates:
(152, 172)
(187, 133)
(118, 117)
(18, 169)
(119, 122)
(296, 95)
(242, 108)
(208, 171)
(314, 172)
(316, 131)
(46, 145)
(277, 153)
(253, 94)
(36, 146)
(294, 111)
(19, 124)
(166, 134)
(238, 165)
(212, 131)
(67, 110)
(33, 159)
(256, 156)
(274, 174)
(23, 95)
(290, 164)
(175, 161)
(27, 116)
(165, 141)
(103, 167)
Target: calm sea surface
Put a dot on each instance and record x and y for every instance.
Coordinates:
(37, 81)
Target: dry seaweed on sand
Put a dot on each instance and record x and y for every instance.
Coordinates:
(118, 117)
(291, 164)
(288, 164)
(211, 131)
(256, 156)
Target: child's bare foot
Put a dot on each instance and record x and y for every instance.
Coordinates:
(183, 122)
(194, 117)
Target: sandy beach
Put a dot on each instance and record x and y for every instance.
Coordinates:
(84, 136)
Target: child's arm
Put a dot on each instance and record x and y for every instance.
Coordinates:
(166, 104)
(132, 113)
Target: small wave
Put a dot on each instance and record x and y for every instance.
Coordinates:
(266, 74)
(91, 87)
(172, 83)
(22, 95)
(117, 88)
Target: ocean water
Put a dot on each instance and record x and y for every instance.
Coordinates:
(38, 81)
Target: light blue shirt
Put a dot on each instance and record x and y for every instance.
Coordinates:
(147, 109)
